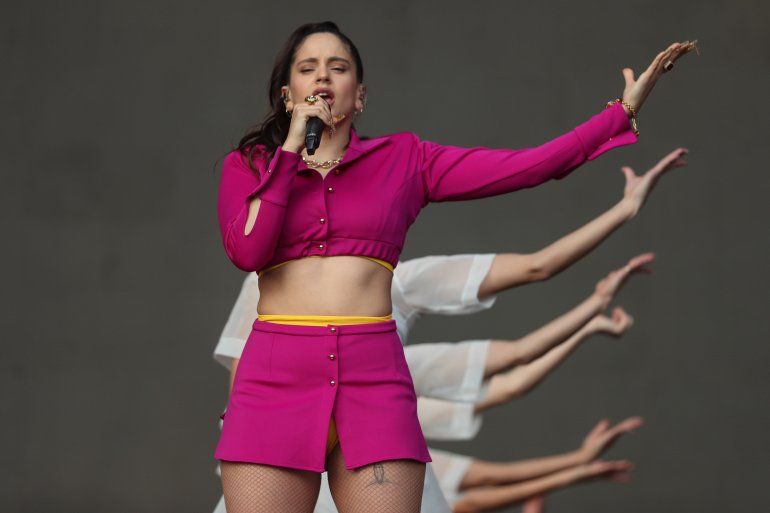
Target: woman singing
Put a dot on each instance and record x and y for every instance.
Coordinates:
(323, 382)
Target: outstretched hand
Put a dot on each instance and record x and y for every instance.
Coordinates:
(609, 286)
(638, 188)
(636, 90)
(602, 436)
(617, 470)
(615, 325)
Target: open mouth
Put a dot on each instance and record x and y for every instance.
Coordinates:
(328, 96)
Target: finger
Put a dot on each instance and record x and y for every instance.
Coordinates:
(320, 111)
(677, 153)
(600, 427)
(656, 61)
(615, 466)
(629, 320)
(603, 466)
(626, 426)
(685, 48)
(624, 466)
(634, 422)
(628, 75)
(679, 163)
(323, 107)
(629, 172)
(636, 265)
(621, 317)
(674, 51)
(669, 159)
(326, 106)
(642, 259)
(661, 67)
(659, 59)
(667, 54)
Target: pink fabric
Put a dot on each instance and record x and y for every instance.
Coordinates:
(282, 398)
(367, 203)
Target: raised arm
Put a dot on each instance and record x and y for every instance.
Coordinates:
(486, 484)
(452, 173)
(508, 353)
(487, 473)
(512, 269)
(515, 383)
(252, 204)
(493, 498)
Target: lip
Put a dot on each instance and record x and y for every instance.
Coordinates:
(329, 98)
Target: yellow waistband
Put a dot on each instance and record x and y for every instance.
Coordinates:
(377, 260)
(321, 320)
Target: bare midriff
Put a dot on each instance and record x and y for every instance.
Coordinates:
(319, 285)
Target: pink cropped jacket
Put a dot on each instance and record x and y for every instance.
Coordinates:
(365, 205)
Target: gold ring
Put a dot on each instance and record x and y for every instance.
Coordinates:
(311, 99)
(667, 66)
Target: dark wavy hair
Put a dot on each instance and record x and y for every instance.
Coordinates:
(272, 131)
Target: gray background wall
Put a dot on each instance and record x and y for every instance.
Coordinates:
(116, 285)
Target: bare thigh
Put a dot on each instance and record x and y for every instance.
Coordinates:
(392, 486)
(254, 488)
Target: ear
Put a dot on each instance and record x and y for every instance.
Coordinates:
(361, 97)
(285, 95)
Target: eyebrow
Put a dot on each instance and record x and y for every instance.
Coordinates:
(330, 59)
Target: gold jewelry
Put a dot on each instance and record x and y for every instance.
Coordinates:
(326, 164)
(335, 120)
(630, 108)
(624, 102)
(311, 99)
(667, 66)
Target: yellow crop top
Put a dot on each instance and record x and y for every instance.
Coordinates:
(376, 260)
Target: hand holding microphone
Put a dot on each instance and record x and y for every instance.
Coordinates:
(307, 123)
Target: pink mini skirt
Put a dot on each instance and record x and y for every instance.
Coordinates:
(291, 379)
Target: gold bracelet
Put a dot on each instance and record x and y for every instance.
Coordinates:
(624, 102)
(630, 108)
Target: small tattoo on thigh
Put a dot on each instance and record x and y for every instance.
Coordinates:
(378, 470)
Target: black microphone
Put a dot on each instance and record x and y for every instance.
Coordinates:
(315, 127)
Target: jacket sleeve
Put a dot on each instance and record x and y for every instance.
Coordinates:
(452, 173)
(238, 185)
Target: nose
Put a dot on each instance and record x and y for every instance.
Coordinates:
(322, 75)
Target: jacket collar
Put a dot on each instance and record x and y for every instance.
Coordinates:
(358, 147)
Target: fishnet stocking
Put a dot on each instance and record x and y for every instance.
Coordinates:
(253, 488)
(393, 486)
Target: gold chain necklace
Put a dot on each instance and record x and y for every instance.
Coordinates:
(326, 164)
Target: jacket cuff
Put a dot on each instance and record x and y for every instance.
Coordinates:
(606, 130)
(280, 172)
